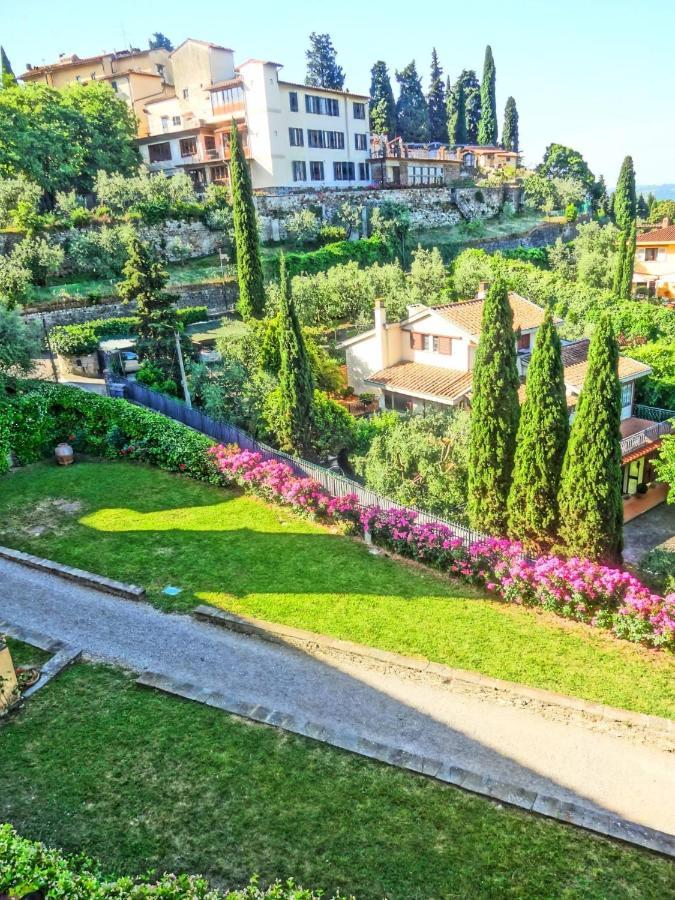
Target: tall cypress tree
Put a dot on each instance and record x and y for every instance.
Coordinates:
(591, 510)
(468, 86)
(322, 67)
(494, 414)
(619, 265)
(249, 268)
(457, 117)
(412, 114)
(540, 447)
(438, 114)
(7, 76)
(382, 102)
(296, 382)
(487, 129)
(510, 137)
(625, 203)
(628, 263)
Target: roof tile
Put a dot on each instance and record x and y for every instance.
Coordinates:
(469, 315)
(662, 235)
(419, 378)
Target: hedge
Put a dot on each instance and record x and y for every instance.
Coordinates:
(30, 869)
(365, 252)
(83, 338)
(35, 416)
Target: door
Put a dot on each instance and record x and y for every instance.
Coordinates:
(396, 174)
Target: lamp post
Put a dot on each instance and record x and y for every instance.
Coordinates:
(224, 260)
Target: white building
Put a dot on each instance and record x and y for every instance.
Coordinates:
(293, 135)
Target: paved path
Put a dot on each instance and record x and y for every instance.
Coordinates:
(567, 761)
(649, 530)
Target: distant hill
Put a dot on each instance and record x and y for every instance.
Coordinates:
(660, 191)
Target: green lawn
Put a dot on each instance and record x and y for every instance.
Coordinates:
(142, 525)
(456, 235)
(143, 780)
(25, 655)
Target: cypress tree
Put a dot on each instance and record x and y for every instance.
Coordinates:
(438, 115)
(591, 511)
(7, 76)
(457, 118)
(619, 265)
(540, 445)
(625, 203)
(487, 129)
(628, 263)
(510, 137)
(296, 382)
(322, 67)
(412, 114)
(642, 207)
(249, 269)
(382, 102)
(494, 414)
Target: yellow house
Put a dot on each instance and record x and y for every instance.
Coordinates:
(654, 267)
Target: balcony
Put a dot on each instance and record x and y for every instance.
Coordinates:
(641, 433)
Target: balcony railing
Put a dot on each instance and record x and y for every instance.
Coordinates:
(644, 438)
(653, 413)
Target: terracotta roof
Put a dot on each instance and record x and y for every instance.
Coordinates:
(642, 451)
(665, 235)
(469, 315)
(418, 378)
(628, 368)
(313, 87)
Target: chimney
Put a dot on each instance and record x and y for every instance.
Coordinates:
(666, 222)
(381, 341)
(380, 317)
(482, 290)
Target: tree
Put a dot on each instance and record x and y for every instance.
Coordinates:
(249, 268)
(296, 382)
(494, 414)
(412, 114)
(591, 510)
(564, 162)
(540, 446)
(487, 128)
(626, 288)
(159, 41)
(438, 114)
(19, 344)
(456, 115)
(601, 197)
(322, 68)
(463, 109)
(660, 210)
(510, 137)
(382, 103)
(642, 208)
(7, 76)
(625, 203)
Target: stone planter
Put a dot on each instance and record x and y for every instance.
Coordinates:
(64, 454)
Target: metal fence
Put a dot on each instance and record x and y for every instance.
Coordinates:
(654, 413)
(225, 433)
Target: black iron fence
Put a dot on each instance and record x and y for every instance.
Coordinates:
(225, 433)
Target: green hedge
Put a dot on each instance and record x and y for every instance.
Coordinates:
(365, 252)
(83, 338)
(35, 416)
(29, 869)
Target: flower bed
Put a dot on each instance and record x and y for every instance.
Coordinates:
(573, 588)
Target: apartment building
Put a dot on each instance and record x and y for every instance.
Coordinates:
(293, 136)
(654, 267)
(138, 76)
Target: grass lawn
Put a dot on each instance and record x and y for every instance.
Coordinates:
(146, 526)
(500, 226)
(143, 780)
(25, 655)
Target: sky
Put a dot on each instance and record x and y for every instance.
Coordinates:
(591, 74)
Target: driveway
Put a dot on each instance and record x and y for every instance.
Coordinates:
(648, 531)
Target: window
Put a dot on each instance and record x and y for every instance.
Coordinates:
(209, 142)
(334, 140)
(343, 171)
(159, 152)
(299, 170)
(160, 70)
(186, 93)
(316, 171)
(627, 394)
(219, 173)
(432, 343)
(176, 120)
(188, 147)
(524, 341)
(113, 85)
(227, 97)
(314, 138)
(360, 142)
(293, 100)
(165, 123)
(359, 110)
(325, 106)
(364, 172)
(296, 137)
(651, 254)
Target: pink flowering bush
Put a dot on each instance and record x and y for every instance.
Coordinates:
(574, 588)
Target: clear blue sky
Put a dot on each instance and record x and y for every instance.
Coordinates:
(592, 74)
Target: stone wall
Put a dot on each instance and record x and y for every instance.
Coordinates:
(539, 236)
(430, 207)
(217, 298)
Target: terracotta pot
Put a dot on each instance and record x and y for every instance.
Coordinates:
(63, 454)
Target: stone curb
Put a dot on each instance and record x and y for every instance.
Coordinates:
(88, 579)
(604, 824)
(314, 644)
(34, 638)
(64, 654)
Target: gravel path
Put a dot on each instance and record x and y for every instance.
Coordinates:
(565, 760)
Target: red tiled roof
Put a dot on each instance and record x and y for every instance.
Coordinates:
(664, 235)
(418, 378)
(469, 315)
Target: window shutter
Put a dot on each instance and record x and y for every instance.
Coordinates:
(661, 254)
(445, 345)
(642, 254)
(416, 340)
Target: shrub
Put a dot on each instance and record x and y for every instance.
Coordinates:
(364, 252)
(303, 227)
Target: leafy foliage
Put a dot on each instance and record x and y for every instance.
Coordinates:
(382, 103)
(436, 102)
(564, 162)
(591, 509)
(249, 269)
(19, 345)
(322, 66)
(510, 136)
(468, 87)
(625, 208)
(365, 252)
(487, 127)
(412, 113)
(159, 41)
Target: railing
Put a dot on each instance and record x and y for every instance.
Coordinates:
(645, 437)
(653, 413)
(225, 433)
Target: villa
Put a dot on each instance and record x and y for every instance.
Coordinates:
(654, 268)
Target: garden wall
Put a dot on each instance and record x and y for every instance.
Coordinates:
(218, 299)
(429, 207)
